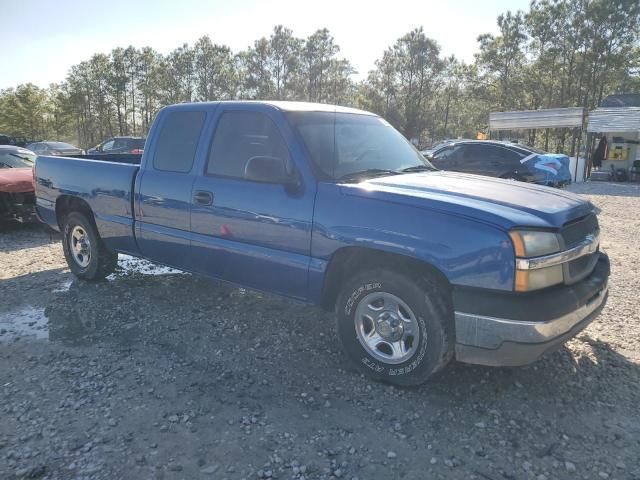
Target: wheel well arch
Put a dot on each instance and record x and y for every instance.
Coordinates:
(65, 204)
(348, 261)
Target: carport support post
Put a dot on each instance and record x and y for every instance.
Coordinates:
(575, 175)
(589, 154)
(546, 139)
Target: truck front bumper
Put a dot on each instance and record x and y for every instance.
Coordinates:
(501, 329)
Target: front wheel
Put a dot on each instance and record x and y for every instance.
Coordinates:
(395, 328)
(84, 251)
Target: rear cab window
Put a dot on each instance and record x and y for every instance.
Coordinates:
(178, 140)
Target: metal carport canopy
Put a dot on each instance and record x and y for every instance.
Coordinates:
(615, 119)
(530, 119)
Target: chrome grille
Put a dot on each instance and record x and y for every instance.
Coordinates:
(576, 231)
(573, 233)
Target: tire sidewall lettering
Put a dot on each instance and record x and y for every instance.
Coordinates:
(351, 301)
(374, 365)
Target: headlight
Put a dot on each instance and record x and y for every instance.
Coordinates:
(530, 243)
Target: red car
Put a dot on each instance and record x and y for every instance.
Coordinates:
(17, 197)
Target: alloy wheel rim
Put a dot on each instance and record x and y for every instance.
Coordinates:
(387, 328)
(80, 246)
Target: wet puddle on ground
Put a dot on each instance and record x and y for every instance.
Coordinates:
(31, 323)
(64, 287)
(24, 322)
(129, 264)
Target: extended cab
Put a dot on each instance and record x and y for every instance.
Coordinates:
(332, 206)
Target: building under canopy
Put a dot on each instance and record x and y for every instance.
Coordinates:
(617, 119)
(545, 119)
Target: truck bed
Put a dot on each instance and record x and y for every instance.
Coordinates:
(106, 186)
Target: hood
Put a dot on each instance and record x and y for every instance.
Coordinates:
(16, 180)
(506, 203)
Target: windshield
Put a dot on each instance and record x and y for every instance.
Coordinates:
(16, 159)
(344, 144)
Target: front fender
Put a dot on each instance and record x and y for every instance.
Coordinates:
(467, 252)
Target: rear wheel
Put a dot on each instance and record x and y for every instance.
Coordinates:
(86, 254)
(395, 328)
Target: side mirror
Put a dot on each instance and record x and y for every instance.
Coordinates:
(268, 170)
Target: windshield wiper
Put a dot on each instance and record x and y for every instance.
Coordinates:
(418, 168)
(370, 172)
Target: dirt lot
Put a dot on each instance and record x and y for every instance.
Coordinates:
(159, 374)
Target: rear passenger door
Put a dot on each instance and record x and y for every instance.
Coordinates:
(246, 231)
(476, 159)
(163, 189)
(483, 159)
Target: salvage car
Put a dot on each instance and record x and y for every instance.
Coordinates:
(54, 148)
(502, 159)
(17, 199)
(334, 207)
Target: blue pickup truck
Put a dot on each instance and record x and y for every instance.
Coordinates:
(332, 206)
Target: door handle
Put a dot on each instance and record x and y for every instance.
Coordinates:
(202, 197)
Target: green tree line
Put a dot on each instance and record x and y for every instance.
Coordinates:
(559, 53)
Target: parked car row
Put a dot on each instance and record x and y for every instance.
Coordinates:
(482, 157)
(117, 145)
(54, 148)
(122, 144)
(17, 199)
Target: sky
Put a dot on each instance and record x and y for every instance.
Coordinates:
(42, 39)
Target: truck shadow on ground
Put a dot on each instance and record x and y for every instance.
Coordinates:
(177, 344)
(22, 289)
(26, 235)
(220, 328)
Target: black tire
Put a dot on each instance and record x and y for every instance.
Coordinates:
(101, 261)
(432, 309)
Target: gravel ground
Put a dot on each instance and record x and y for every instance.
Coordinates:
(159, 374)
